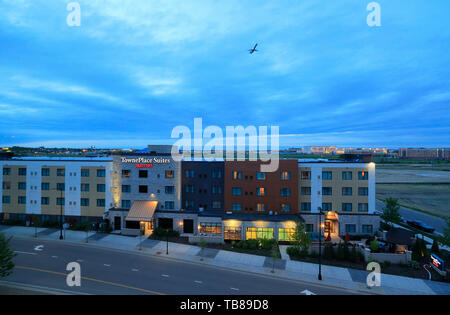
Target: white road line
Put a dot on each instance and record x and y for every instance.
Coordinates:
(80, 260)
(19, 252)
(39, 248)
(235, 289)
(135, 270)
(54, 256)
(198, 281)
(106, 265)
(165, 276)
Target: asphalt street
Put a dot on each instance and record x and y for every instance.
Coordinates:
(409, 214)
(104, 271)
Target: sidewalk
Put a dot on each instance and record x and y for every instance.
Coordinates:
(346, 278)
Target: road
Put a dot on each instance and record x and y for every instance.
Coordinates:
(409, 214)
(106, 271)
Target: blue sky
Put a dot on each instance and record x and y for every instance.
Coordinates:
(136, 69)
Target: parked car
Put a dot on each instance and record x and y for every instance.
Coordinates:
(421, 226)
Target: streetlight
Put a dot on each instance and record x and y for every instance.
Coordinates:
(61, 212)
(320, 243)
(167, 241)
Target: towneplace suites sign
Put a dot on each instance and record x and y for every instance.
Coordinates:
(143, 162)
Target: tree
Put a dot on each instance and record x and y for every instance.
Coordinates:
(435, 247)
(374, 245)
(300, 238)
(274, 254)
(391, 211)
(202, 244)
(6, 256)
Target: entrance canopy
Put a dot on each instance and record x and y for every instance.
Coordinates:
(142, 211)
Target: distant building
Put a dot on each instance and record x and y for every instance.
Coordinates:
(424, 154)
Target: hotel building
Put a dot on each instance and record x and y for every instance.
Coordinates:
(223, 200)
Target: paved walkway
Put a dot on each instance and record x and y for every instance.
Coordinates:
(332, 276)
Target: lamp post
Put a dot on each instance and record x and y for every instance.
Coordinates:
(60, 214)
(320, 243)
(167, 241)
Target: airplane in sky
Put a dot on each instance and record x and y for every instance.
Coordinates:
(253, 50)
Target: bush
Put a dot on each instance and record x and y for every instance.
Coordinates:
(328, 251)
(267, 244)
(13, 222)
(374, 245)
(83, 226)
(293, 251)
(50, 224)
(414, 264)
(340, 253)
(354, 255)
(253, 244)
(233, 243)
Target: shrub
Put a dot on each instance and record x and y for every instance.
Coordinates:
(340, 253)
(50, 224)
(293, 251)
(239, 244)
(267, 244)
(374, 245)
(253, 244)
(414, 264)
(13, 222)
(233, 243)
(328, 251)
(354, 255)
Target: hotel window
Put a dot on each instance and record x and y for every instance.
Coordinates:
(327, 206)
(347, 191)
(189, 204)
(237, 207)
(45, 172)
(309, 228)
(6, 171)
(285, 235)
(84, 202)
(6, 199)
(189, 174)
(101, 187)
(305, 175)
(189, 188)
(285, 192)
(60, 201)
(285, 175)
(84, 187)
(101, 173)
(100, 202)
(84, 173)
(261, 191)
(236, 191)
(367, 229)
(232, 233)
(143, 189)
(260, 207)
(22, 200)
(126, 173)
(347, 207)
(255, 233)
(45, 201)
(210, 228)
(126, 188)
(347, 175)
(327, 175)
(350, 228)
(45, 186)
(285, 207)
(260, 176)
(236, 175)
(216, 204)
(363, 191)
(216, 190)
(126, 204)
(169, 174)
(364, 175)
(306, 191)
(60, 186)
(306, 206)
(363, 207)
(60, 172)
(217, 174)
(170, 190)
(22, 171)
(327, 191)
(6, 185)
(169, 205)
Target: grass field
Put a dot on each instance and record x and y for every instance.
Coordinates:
(431, 198)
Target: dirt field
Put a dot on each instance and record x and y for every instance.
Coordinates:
(412, 174)
(432, 198)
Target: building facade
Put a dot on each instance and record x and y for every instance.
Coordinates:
(79, 188)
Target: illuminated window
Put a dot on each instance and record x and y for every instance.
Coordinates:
(125, 173)
(263, 233)
(169, 174)
(210, 228)
(232, 233)
(6, 185)
(306, 175)
(285, 175)
(363, 207)
(285, 234)
(363, 175)
(237, 175)
(285, 207)
(261, 191)
(261, 207)
(347, 175)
